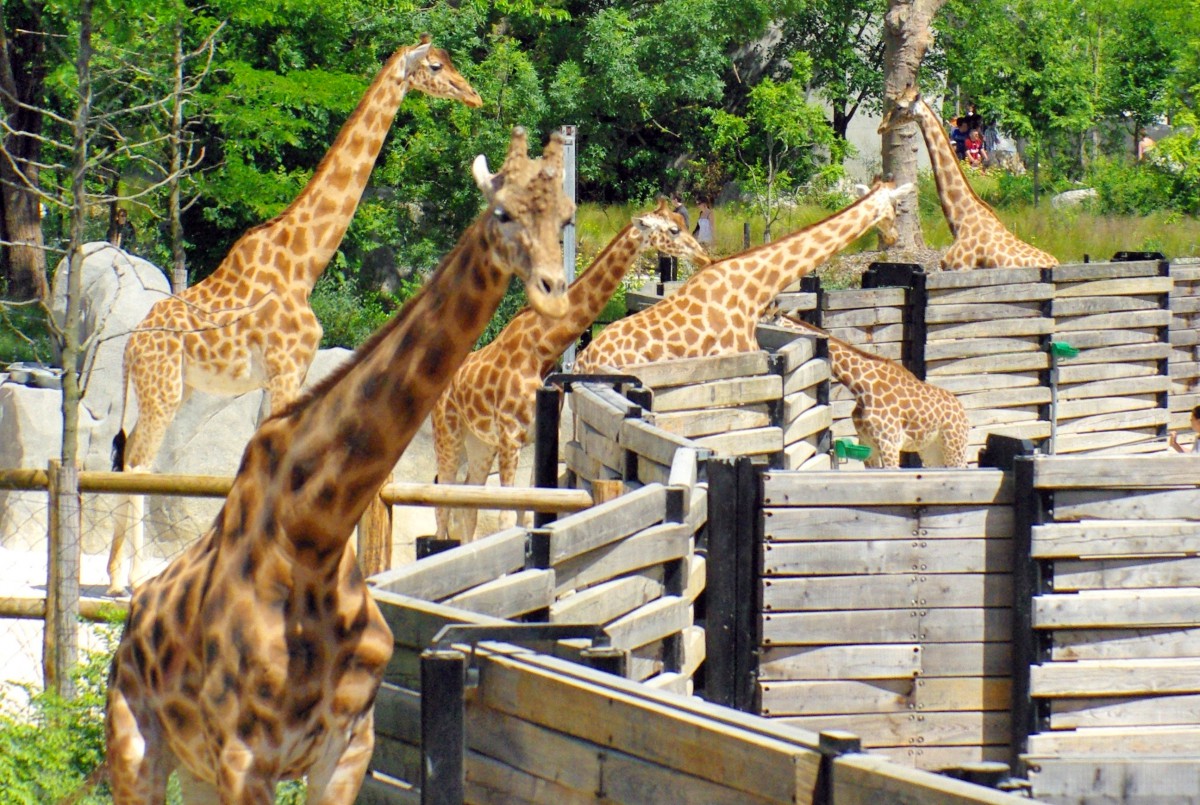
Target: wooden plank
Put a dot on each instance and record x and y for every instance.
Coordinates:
(1120, 386)
(1095, 678)
(601, 408)
(653, 621)
(1116, 442)
(886, 626)
(1119, 741)
(490, 782)
(719, 393)
(883, 696)
(809, 594)
(1117, 574)
(936, 758)
(706, 421)
(1115, 538)
(966, 659)
(797, 403)
(1019, 430)
(1147, 711)
(976, 347)
(887, 487)
(771, 337)
(807, 375)
(631, 780)
(862, 317)
(881, 557)
(686, 371)
(1073, 409)
(877, 730)
(899, 661)
(398, 714)
(1123, 504)
(1090, 305)
(1115, 779)
(651, 472)
(653, 443)
(694, 648)
(943, 280)
(1062, 472)
(600, 448)
(752, 442)
(1120, 354)
(1084, 272)
(1109, 338)
(1132, 320)
(1003, 328)
(812, 422)
(949, 314)
(396, 759)
(606, 522)
(652, 546)
(995, 364)
(983, 418)
(817, 463)
(1070, 373)
(1012, 292)
(415, 622)
(796, 353)
(1005, 398)
(791, 301)
(458, 569)
(609, 600)
(874, 337)
(379, 789)
(1128, 286)
(855, 298)
(984, 382)
(507, 597)
(1128, 609)
(1122, 420)
(1125, 644)
(682, 739)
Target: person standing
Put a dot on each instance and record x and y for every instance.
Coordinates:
(706, 225)
(682, 209)
(1194, 423)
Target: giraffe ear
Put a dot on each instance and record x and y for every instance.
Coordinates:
(861, 190)
(904, 190)
(485, 179)
(413, 59)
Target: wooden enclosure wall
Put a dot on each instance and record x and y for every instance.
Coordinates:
(629, 565)
(1113, 630)
(541, 730)
(886, 603)
(1185, 342)
(771, 404)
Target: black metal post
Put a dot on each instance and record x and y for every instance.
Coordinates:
(1030, 577)
(1164, 368)
(747, 618)
(545, 446)
(720, 597)
(746, 235)
(667, 268)
(811, 283)
(443, 727)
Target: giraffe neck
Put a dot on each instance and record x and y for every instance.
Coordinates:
(586, 296)
(317, 219)
(755, 277)
(846, 362)
(954, 191)
(319, 462)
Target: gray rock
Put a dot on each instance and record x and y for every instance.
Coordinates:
(1072, 198)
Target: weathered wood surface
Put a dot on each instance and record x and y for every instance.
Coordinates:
(1115, 538)
(1135, 420)
(692, 424)
(379, 789)
(823, 523)
(807, 375)
(1090, 305)
(942, 280)
(653, 621)
(599, 448)
(602, 408)
(1116, 574)
(873, 557)
(1119, 354)
(883, 696)
(609, 600)
(606, 523)
(1132, 609)
(653, 443)
(795, 353)
(1115, 779)
(1113, 442)
(1089, 473)
(651, 546)
(1125, 644)
(1119, 741)
(685, 371)
(510, 596)
(987, 311)
(1115, 387)
(899, 661)
(887, 487)
(1085, 272)
(809, 594)
(990, 728)
(1097, 678)
(1074, 409)
(1091, 339)
(997, 364)
(1005, 328)
(874, 337)
(936, 758)
(1151, 711)
(1126, 504)
(458, 569)
(719, 393)
(886, 626)
(754, 441)
(1009, 292)
(810, 423)
(977, 347)
(862, 317)
(857, 298)
(1091, 372)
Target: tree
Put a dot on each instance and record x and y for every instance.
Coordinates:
(773, 145)
(907, 35)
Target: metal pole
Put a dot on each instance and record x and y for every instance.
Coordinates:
(568, 135)
(545, 445)
(443, 727)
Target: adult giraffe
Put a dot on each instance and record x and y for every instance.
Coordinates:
(980, 239)
(256, 655)
(249, 324)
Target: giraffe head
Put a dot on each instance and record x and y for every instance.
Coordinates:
(881, 199)
(429, 69)
(527, 209)
(664, 230)
(904, 109)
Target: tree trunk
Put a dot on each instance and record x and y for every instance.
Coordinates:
(907, 35)
(22, 75)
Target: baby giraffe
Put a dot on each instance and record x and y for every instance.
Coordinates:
(489, 407)
(894, 412)
(257, 654)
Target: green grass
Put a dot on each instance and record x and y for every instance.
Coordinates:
(24, 334)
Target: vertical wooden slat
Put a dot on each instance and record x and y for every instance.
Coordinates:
(60, 646)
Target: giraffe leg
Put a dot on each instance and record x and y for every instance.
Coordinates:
(480, 456)
(509, 454)
(450, 453)
(237, 782)
(337, 781)
(195, 791)
(138, 765)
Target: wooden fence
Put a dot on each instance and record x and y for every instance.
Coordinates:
(1185, 342)
(1109, 633)
(629, 565)
(531, 728)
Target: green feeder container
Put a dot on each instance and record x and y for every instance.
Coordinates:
(844, 449)
(1061, 349)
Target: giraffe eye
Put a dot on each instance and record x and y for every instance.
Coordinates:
(434, 66)
(674, 230)
(502, 215)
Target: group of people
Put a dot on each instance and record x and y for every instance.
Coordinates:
(968, 139)
(705, 229)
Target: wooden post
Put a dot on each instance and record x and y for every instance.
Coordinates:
(60, 645)
(604, 491)
(443, 727)
(375, 538)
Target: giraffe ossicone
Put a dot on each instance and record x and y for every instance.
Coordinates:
(488, 410)
(981, 240)
(249, 325)
(257, 654)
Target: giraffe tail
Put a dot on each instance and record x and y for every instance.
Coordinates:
(118, 451)
(93, 779)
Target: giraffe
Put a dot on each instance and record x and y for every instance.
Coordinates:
(489, 407)
(894, 412)
(716, 311)
(249, 325)
(980, 239)
(257, 654)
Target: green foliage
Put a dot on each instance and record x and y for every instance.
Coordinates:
(1127, 188)
(347, 314)
(24, 335)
